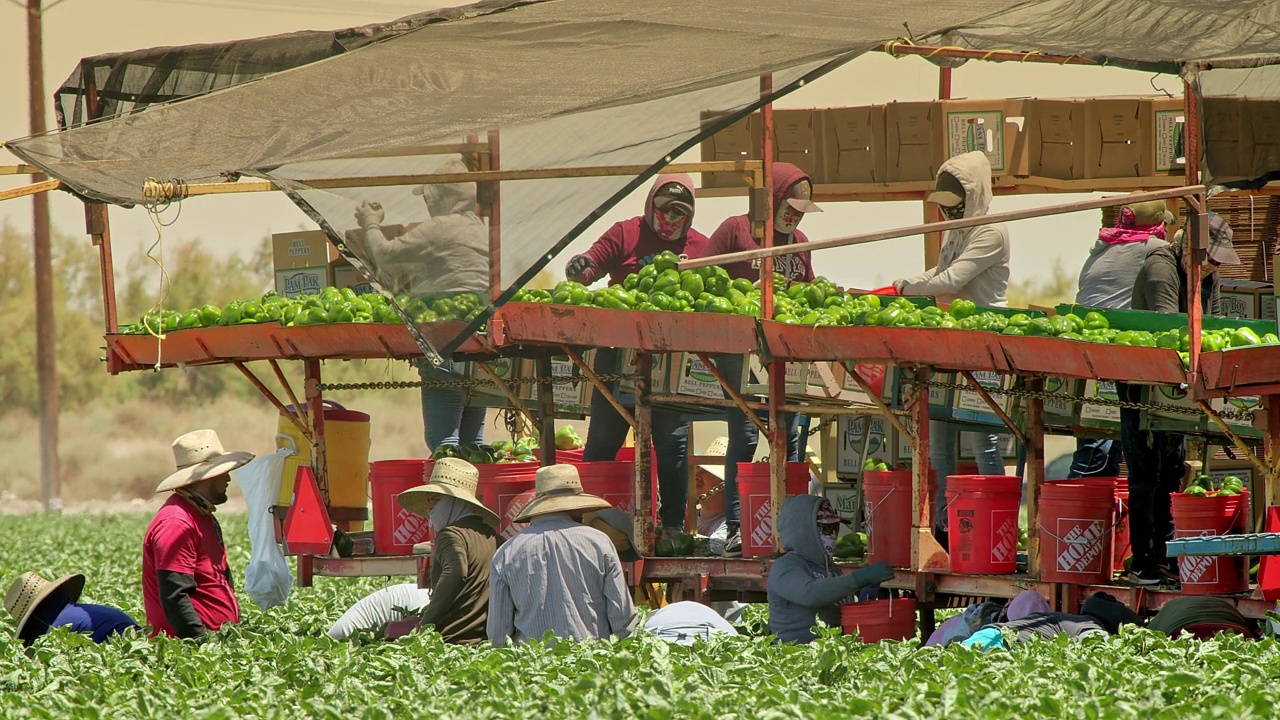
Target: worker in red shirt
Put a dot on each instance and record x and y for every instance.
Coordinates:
(792, 193)
(186, 583)
(625, 248)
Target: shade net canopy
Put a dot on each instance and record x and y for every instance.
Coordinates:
(567, 84)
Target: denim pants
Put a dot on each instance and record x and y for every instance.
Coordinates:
(445, 418)
(608, 431)
(1156, 466)
(1095, 457)
(744, 438)
(944, 444)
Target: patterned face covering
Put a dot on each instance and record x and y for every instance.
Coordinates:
(669, 224)
(828, 534)
(955, 212)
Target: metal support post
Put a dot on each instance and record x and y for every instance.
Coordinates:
(1034, 444)
(926, 553)
(777, 445)
(546, 411)
(1271, 443)
(315, 403)
(644, 528)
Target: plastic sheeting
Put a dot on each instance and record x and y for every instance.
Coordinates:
(267, 578)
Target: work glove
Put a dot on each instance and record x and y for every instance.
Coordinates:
(369, 215)
(578, 266)
(872, 574)
(900, 286)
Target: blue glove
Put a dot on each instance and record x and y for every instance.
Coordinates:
(873, 574)
(578, 266)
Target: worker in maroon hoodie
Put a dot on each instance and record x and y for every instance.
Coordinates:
(792, 199)
(667, 224)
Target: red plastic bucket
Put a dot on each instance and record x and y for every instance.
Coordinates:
(1120, 533)
(888, 515)
(756, 509)
(396, 530)
(983, 514)
(878, 620)
(1075, 530)
(1194, 516)
(612, 480)
(506, 488)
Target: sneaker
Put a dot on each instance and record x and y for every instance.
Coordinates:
(1146, 578)
(1169, 576)
(733, 546)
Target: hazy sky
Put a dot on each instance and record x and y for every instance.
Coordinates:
(79, 28)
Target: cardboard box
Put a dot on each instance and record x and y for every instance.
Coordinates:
(1055, 138)
(1170, 420)
(739, 141)
(1057, 411)
(853, 148)
(343, 275)
(505, 368)
(913, 141)
(1100, 417)
(1246, 299)
(569, 397)
(301, 262)
(691, 377)
(1241, 136)
(1164, 123)
(797, 139)
(1246, 406)
(983, 125)
(1113, 138)
(969, 406)
(846, 500)
(871, 434)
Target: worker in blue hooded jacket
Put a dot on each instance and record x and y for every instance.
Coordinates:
(804, 584)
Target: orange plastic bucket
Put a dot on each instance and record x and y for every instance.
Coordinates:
(1120, 533)
(1195, 516)
(613, 480)
(887, 512)
(878, 620)
(396, 530)
(983, 515)
(506, 488)
(1076, 521)
(756, 509)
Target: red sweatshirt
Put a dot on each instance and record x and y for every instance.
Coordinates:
(631, 244)
(734, 235)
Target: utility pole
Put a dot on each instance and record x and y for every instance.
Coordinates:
(46, 350)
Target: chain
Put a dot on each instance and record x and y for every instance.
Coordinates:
(1108, 402)
(466, 383)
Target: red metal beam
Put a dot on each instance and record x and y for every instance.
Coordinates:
(643, 500)
(649, 331)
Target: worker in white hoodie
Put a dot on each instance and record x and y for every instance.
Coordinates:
(973, 264)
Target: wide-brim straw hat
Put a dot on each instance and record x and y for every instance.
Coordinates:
(198, 455)
(718, 448)
(557, 488)
(450, 477)
(29, 590)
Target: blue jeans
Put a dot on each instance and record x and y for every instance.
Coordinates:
(608, 431)
(1095, 457)
(1155, 461)
(445, 418)
(744, 438)
(944, 443)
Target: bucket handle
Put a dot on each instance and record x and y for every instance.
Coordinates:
(1049, 532)
(287, 442)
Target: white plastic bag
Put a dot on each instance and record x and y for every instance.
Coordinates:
(267, 579)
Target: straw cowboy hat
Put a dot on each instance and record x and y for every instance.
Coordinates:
(28, 591)
(450, 477)
(719, 448)
(199, 456)
(557, 488)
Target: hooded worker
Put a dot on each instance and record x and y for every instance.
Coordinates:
(804, 584)
(1106, 281)
(792, 200)
(627, 247)
(446, 254)
(973, 264)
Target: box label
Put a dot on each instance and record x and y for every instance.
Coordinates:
(1100, 413)
(980, 131)
(696, 380)
(302, 281)
(879, 440)
(1169, 154)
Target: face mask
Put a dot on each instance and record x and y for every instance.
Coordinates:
(828, 540)
(669, 224)
(787, 219)
(952, 213)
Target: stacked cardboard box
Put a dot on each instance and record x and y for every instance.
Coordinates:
(301, 262)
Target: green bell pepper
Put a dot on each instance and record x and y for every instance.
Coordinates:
(692, 283)
(961, 309)
(665, 260)
(1096, 321)
(1244, 337)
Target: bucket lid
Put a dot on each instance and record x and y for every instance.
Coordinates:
(334, 412)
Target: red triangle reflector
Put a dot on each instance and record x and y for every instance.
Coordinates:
(307, 528)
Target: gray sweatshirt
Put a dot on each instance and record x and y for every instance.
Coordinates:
(973, 263)
(1107, 277)
(804, 584)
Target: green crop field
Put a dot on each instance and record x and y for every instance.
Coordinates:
(277, 664)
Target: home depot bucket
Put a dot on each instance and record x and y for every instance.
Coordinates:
(887, 513)
(756, 509)
(506, 488)
(1120, 533)
(1076, 521)
(612, 480)
(878, 620)
(396, 530)
(983, 514)
(346, 442)
(1195, 516)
